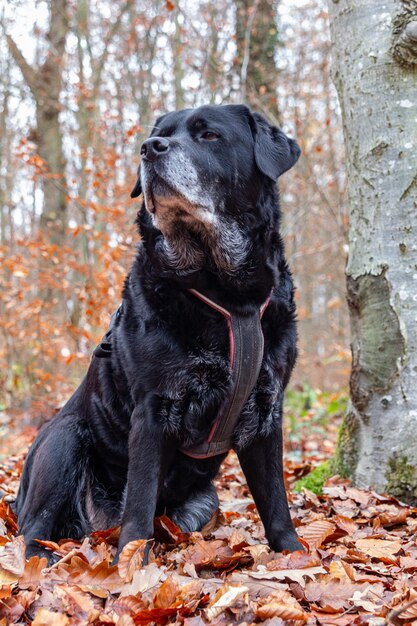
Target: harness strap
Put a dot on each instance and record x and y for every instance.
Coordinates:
(245, 354)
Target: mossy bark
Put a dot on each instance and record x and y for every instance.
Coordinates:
(379, 108)
(401, 479)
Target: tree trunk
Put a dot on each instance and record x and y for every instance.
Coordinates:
(45, 83)
(374, 56)
(256, 40)
(177, 54)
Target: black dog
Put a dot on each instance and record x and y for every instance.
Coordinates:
(187, 369)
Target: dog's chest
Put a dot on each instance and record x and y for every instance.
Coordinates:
(210, 388)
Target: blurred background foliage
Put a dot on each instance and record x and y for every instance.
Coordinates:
(80, 87)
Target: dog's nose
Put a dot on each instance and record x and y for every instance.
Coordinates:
(153, 147)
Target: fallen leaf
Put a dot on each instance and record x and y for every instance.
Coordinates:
(44, 617)
(144, 580)
(167, 593)
(32, 572)
(381, 549)
(211, 525)
(102, 577)
(168, 532)
(224, 599)
(317, 532)
(331, 594)
(214, 555)
(297, 575)
(295, 560)
(131, 558)
(281, 604)
(345, 524)
(12, 556)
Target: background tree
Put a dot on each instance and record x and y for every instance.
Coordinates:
(257, 40)
(44, 80)
(124, 64)
(375, 74)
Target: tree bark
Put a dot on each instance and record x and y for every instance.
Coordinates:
(256, 40)
(374, 73)
(45, 83)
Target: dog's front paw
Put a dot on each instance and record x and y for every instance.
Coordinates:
(288, 541)
(34, 549)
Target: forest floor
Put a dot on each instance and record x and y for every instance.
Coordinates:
(359, 567)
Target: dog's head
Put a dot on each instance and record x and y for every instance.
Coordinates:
(203, 169)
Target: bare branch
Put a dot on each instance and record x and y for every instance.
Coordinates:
(107, 41)
(246, 52)
(27, 70)
(394, 614)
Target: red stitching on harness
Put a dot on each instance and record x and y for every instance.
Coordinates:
(263, 307)
(231, 342)
(213, 430)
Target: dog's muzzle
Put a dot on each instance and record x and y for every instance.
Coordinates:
(153, 148)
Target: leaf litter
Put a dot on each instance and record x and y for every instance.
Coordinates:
(359, 566)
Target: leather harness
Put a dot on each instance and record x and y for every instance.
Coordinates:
(246, 347)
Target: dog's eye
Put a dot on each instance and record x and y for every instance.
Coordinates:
(210, 135)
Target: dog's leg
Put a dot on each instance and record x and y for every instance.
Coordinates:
(262, 465)
(150, 454)
(197, 510)
(51, 484)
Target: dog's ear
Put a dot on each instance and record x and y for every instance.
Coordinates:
(137, 189)
(275, 153)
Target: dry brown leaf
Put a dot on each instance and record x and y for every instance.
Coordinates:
(409, 606)
(144, 580)
(76, 601)
(369, 599)
(211, 525)
(44, 617)
(12, 556)
(296, 575)
(111, 536)
(131, 558)
(11, 610)
(392, 515)
(285, 611)
(9, 518)
(224, 599)
(408, 563)
(381, 549)
(190, 591)
(53, 546)
(296, 560)
(125, 620)
(317, 532)
(238, 539)
(258, 588)
(214, 555)
(167, 593)
(32, 573)
(342, 571)
(6, 578)
(6, 591)
(168, 532)
(98, 579)
(331, 594)
(346, 524)
(124, 605)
